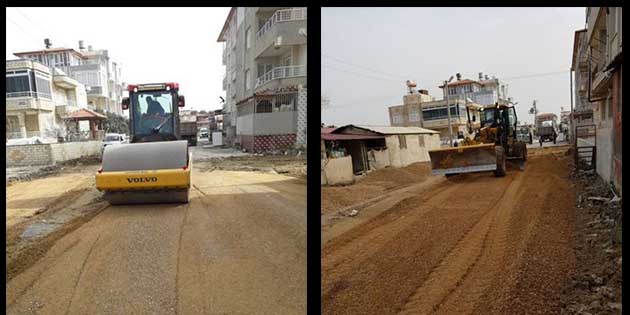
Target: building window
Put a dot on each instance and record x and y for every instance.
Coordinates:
(248, 40)
(440, 113)
(413, 115)
(42, 86)
(247, 80)
(402, 140)
(421, 140)
(397, 119)
(17, 84)
(264, 106)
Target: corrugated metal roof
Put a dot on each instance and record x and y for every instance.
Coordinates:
(393, 130)
(328, 130)
(343, 136)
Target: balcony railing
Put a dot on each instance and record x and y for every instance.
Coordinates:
(279, 16)
(28, 94)
(281, 73)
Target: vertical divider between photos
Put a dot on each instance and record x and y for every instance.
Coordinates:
(313, 162)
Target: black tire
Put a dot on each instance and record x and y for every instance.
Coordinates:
(554, 140)
(500, 152)
(524, 153)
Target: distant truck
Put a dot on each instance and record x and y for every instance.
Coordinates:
(546, 127)
(188, 131)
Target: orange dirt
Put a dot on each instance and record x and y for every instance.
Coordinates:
(473, 245)
(336, 197)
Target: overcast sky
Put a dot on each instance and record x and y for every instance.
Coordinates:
(368, 53)
(152, 44)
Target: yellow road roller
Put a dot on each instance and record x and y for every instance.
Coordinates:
(154, 167)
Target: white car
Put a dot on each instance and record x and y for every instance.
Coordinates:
(113, 139)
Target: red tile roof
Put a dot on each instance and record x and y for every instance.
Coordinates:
(85, 113)
(19, 54)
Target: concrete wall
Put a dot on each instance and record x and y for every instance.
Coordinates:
(339, 171)
(417, 150)
(275, 123)
(379, 159)
(73, 150)
(604, 153)
(50, 154)
(245, 125)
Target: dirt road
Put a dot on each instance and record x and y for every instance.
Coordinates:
(473, 244)
(238, 247)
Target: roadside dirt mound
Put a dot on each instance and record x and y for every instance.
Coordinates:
(336, 197)
(289, 165)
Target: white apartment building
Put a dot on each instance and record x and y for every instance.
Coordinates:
(265, 79)
(38, 98)
(92, 68)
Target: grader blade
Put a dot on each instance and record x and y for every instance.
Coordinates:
(465, 159)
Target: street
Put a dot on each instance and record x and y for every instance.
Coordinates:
(238, 247)
(470, 244)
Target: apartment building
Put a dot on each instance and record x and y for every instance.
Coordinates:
(582, 114)
(92, 68)
(265, 79)
(604, 89)
(486, 91)
(38, 98)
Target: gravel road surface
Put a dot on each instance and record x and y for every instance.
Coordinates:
(472, 244)
(238, 247)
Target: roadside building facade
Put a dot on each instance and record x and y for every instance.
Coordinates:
(93, 68)
(486, 91)
(357, 149)
(38, 98)
(265, 79)
(604, 89)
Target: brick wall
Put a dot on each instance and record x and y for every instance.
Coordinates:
(50, 154)
(28, 155)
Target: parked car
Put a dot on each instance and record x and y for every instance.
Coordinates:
(113, 138)
(203, 133)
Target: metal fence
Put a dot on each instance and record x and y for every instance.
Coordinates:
(281, 73)
(585, 147)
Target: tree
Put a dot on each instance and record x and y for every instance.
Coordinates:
(115, 123)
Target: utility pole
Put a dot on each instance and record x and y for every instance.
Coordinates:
(448, 112)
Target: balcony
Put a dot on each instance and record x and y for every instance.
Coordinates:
(281, 30)
(65, 82)
(96, 91)
(280, 73)
(29, 101)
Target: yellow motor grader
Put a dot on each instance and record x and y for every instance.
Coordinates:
(486, 147)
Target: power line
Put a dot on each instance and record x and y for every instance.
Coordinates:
(534, 75)
(359, 102)
(364, 67)
(31, 21)
(362, 74)
(22, 29)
